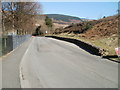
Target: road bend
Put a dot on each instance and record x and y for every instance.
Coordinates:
(49, 63)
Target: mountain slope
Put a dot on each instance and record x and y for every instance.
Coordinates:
(102, 33)
(64, 18)
(94, 29)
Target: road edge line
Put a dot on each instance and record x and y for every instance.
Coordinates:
(21, 76)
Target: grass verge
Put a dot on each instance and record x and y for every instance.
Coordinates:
(107, 43)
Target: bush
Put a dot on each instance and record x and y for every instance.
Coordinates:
(38, 31)
(87, 26)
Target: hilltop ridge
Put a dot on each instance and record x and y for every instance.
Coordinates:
(65, 19)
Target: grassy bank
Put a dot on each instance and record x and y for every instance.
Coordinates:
(107, 43)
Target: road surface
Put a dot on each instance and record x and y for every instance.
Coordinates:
(51, 63)
(10, 67)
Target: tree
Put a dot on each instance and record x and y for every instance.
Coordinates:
(104, 17)
(19, 15)
(48, 21)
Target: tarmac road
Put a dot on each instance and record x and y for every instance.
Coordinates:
(10, 66)
(51, 63)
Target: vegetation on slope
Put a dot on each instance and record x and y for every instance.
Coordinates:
(102, 33)
(65, 18)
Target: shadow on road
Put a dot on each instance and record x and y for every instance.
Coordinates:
(89, 48)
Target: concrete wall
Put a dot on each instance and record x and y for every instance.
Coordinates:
(10, 42)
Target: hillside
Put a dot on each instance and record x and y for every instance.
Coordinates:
(102, 33)
(93, 29)
(104, 28)
(64, 18)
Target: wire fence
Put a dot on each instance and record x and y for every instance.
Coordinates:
(10, 42)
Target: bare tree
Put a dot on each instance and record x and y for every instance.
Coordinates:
(19, 16)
